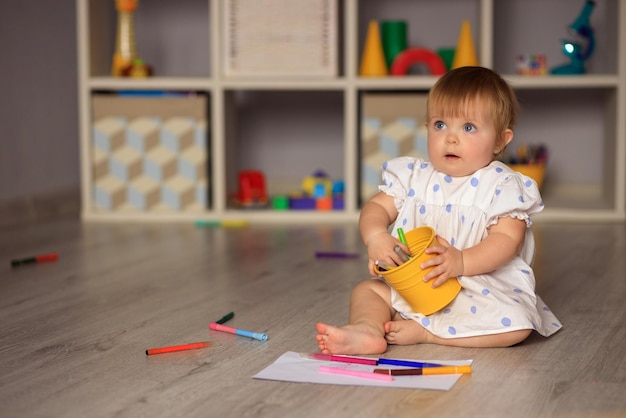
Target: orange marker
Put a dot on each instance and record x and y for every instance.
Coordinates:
(174, 348)
(426, 371)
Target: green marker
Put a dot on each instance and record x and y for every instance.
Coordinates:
(401, 236)
(226, 223)
(402, 239)
(225, 318)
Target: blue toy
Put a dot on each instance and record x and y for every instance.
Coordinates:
(578, 51)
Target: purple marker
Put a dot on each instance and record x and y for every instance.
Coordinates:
(322, 254)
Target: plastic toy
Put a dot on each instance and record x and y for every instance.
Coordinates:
(138, 69)
(529, 64)
(394, 38)
(302, 203)
(280, 202)
(580, 50)
(252, 192)
(447, 55)
(373, 59)
(125, 56)
(411, 56)
(338, 202)
(465, 54)
(318, 192)
(317, 185)
(324, 203)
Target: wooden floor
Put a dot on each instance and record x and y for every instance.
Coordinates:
(73, 334)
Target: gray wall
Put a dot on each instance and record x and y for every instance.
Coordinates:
(38, 98)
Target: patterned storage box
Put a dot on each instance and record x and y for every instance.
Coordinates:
(150, 153)
(392, 125)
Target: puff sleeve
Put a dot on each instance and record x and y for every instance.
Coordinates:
(397, 176)
(516, 196)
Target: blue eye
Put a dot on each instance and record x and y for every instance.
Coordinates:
(468, 127)
(440, 125)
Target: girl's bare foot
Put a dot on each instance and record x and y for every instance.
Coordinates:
(349, 339)
(404, 332)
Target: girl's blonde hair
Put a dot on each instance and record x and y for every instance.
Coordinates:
(458, 91)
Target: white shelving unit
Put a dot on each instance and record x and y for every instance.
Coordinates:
(290, 127)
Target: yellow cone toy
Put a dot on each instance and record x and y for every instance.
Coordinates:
(465, 54)
(373, 60)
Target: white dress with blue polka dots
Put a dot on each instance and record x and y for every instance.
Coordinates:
(461, 209)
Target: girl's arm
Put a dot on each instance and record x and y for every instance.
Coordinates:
(376, 216)
(503, 242)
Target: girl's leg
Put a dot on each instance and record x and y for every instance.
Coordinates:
(403, 332)
(370, 309)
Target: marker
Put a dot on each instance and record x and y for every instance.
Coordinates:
(227, 317)
(356, 373)
(36, 259)
(425, 371)
(406, 363)
(174, 348)
(380, 266)
(401, 253)
(344, 359)
(256, 335)
(226, 223)
(322, 254)
(402, 239)
(401, 236)
(371, 361)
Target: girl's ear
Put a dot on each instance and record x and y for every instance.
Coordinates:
(503, 141)
(505, 138)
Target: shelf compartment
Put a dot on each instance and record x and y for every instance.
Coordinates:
(518, 18)
(575, 125)
(430, 24)
(274, 132)
(172, 37)
(280, 39)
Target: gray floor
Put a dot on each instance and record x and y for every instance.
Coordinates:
(73, 333)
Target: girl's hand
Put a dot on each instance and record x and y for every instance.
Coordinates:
(380, 247)
(447, 262)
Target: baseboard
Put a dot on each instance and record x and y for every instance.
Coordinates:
(48, 206)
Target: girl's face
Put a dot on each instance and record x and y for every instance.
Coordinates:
(458, 145)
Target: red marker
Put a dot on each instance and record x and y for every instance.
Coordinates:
(36, 259)
(174, 348)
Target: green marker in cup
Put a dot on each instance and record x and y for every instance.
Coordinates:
(402, 239)
(401, 236)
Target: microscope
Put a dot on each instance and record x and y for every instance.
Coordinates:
(581, 48)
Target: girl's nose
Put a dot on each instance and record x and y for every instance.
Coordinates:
(451, 138)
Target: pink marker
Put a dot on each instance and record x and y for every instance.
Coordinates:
(356, 373)
(256, 335)
(344, 359)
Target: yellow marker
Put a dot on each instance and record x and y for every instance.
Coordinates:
(426, 371)
(226, 223)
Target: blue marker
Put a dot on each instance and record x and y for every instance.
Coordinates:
(406, 363)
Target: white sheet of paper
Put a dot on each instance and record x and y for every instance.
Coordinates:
(292, 367)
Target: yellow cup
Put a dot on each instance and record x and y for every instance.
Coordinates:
(407, 278)
(535, 171)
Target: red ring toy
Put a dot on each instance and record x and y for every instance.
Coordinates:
(408, 57)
